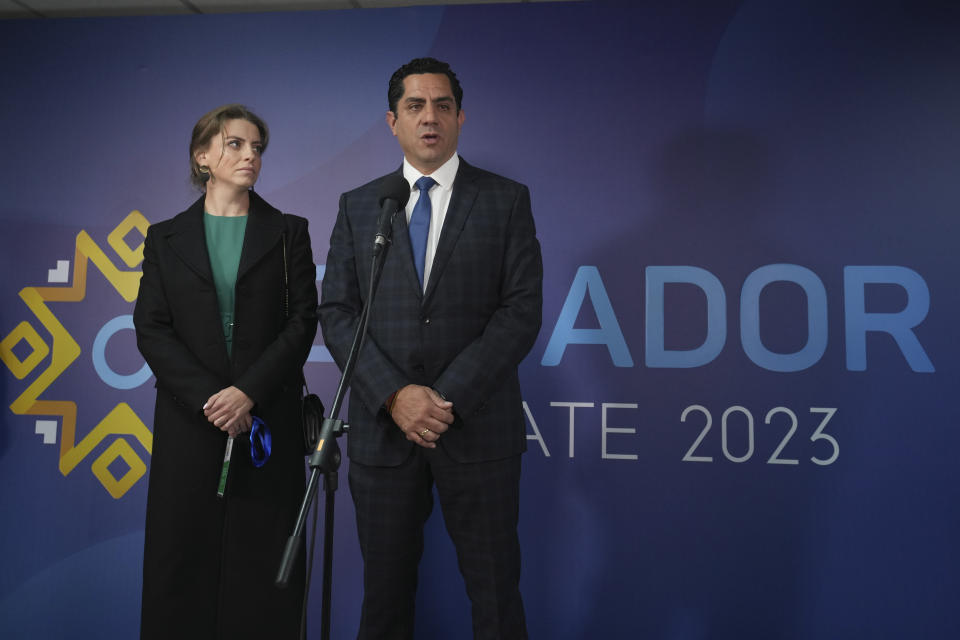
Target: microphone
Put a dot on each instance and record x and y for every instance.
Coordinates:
(393, 195)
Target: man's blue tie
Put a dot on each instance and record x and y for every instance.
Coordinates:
(419, 225)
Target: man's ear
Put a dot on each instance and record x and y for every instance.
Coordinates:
(392, 122)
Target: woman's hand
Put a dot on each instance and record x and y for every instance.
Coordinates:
(229, 410)
(243, 426)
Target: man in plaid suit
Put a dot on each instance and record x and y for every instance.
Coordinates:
(435, 395)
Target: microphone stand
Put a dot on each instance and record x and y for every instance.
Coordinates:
(326, 457)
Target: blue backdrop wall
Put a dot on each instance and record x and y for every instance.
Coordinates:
(741, 405)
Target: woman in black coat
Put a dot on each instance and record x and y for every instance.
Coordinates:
(225, 317)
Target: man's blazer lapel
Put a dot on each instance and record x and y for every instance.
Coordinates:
(461, 204)
(402, 247)
(401, 242)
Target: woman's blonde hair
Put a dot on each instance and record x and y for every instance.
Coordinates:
(210, 125)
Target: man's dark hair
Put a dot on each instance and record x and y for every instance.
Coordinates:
(421, 65)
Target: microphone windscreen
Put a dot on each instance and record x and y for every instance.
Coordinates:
(394, 187)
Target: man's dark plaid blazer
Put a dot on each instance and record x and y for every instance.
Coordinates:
(464, 336)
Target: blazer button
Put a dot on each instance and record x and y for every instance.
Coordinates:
(426, 321)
